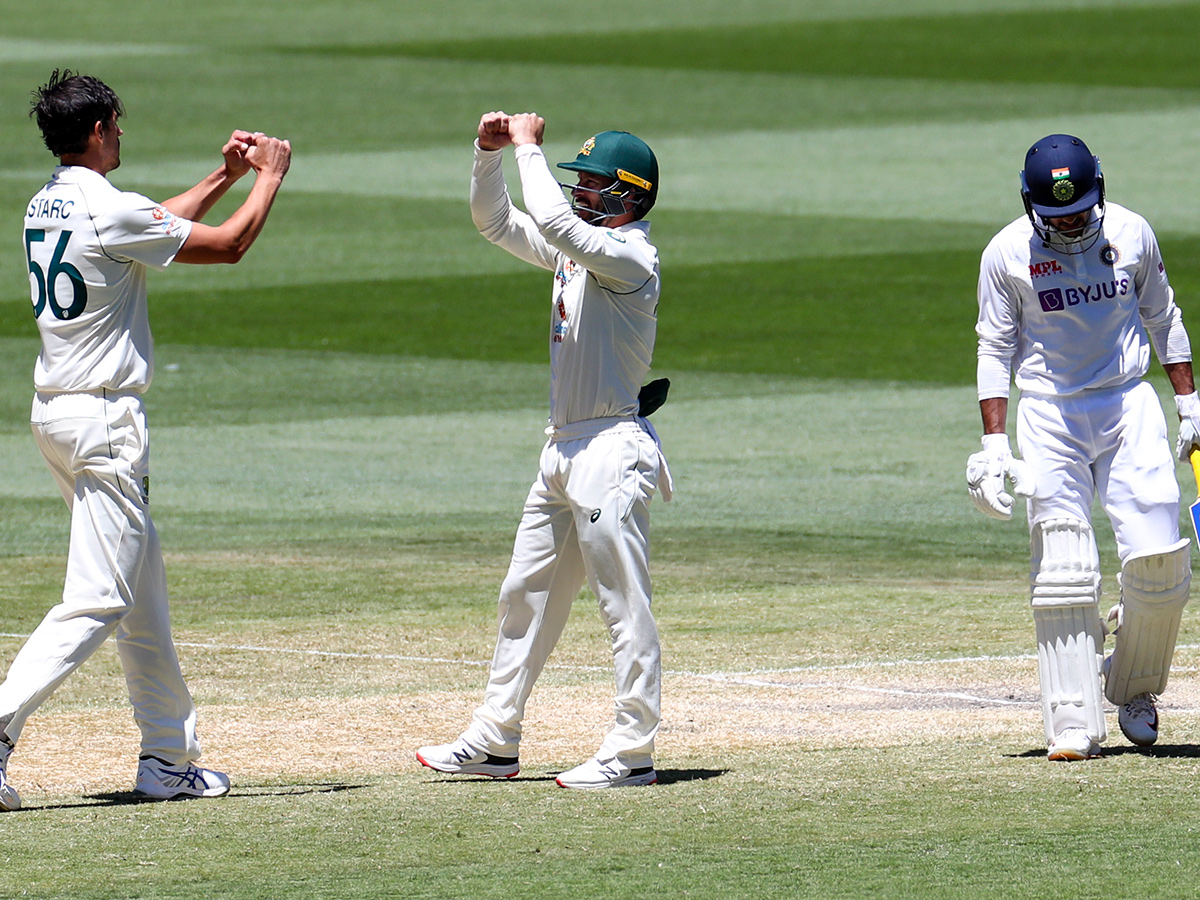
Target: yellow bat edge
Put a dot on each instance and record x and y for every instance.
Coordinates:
(1194, 457)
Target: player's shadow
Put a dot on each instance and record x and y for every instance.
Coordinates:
(1158, 751)
(453, 779)
(665, 776)
(680, 776)
(131, 798)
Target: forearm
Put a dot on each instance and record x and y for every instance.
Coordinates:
(994, 411)
(229, 241)
(251, 216)
(195, 202)
(1180, 374)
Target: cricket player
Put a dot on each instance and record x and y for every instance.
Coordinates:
(588, 512)
(1071, 297)
(88, 247)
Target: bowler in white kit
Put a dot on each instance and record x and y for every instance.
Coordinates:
(587, 515)
(88, 247)
(1072, 296)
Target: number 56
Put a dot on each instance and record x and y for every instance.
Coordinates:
(47, 281)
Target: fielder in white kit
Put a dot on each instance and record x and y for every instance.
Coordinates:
(1072, 296)
(88, 247)
(588, 512)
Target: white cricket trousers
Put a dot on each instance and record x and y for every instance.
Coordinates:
(97, 447)
(1109, 442)
(587, 516)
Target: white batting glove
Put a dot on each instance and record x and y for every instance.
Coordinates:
(1188, 406)
(986, 471)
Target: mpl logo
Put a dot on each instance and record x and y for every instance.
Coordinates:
(1052, 300)
(1049, 267)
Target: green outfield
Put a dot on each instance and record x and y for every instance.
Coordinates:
(345, 424)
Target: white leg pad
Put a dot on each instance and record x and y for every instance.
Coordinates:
(1065, 590)
(1154, 591)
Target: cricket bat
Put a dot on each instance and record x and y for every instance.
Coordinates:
(1194, 456)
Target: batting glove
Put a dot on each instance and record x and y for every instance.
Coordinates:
(986, 471)
(1188, 406)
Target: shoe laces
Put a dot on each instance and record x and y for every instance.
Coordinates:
(1142, 706)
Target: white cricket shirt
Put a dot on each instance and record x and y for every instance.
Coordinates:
(604, 305)
(1068, 324)
(88, 246)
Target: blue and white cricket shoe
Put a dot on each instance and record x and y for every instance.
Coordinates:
(1139, 720)
(161, 780)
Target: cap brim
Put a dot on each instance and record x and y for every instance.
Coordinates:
(583, 167)
(1086, 202)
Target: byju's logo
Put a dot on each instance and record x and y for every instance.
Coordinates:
(1051, 300)
(1057, 299)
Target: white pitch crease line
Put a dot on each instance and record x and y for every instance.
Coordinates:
(336, 654)
(751, 678)
(897, 692)
(726, 678)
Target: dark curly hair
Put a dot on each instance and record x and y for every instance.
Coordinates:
(68, 107)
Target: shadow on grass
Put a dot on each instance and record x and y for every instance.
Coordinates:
(679, 776)
(131, 798)
(453, 778)
(665, 776)
(1159, 751)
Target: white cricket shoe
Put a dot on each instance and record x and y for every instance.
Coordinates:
(1139, 720)
(160, 780)
(9, 798)
(460, 758)
(1073, 744)
(606, 773)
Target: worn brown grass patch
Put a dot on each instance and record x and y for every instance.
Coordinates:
(713, 720)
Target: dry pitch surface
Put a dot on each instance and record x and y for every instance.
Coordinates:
(714, 721)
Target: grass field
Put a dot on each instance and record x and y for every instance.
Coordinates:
(345, 425)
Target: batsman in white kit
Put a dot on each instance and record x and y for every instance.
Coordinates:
(88, 247)
(1072, 296)
(587, 514)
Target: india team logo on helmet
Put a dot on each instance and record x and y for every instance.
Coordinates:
(625, 159)
(1063, 188)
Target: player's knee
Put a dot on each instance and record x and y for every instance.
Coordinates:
(1064, 563)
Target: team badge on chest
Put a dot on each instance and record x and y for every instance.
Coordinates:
(567, 271)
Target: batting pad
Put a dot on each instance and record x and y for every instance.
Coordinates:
(1154, 591)
(1065, 588)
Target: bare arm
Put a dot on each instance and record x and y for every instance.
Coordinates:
(995, 413)
(229, 241)
(1180, 374)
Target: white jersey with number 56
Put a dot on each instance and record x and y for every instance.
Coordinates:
(88, 245)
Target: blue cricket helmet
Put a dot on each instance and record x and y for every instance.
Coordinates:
(1062, 178)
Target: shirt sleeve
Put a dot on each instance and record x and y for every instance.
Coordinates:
(996, 328)
(138, 229)
(498, 219)
(1161, 317)
(618, 264)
